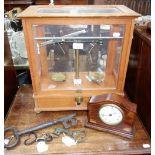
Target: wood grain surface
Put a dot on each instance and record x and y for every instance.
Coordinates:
(22, 115)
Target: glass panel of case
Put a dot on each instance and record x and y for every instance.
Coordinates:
(71, 56)
(82, 10)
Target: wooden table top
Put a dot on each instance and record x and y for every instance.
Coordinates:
(22, 115)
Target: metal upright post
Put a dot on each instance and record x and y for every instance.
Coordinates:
(77, 63)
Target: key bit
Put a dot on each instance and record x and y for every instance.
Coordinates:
(77, 135)
(69, 123)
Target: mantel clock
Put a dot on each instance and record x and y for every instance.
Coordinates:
(112, 113)
(76, 51)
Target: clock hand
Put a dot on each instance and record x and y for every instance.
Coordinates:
(110, 114)
(107, 115)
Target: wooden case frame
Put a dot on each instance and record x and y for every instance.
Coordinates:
(61, 99)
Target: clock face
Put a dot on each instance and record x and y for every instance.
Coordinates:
(111, 114)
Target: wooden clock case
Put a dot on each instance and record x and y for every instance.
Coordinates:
(116, 24)
(125, 128)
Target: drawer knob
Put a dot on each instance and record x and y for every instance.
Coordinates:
(79, 100)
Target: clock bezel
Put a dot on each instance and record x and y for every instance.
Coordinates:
(116, 106)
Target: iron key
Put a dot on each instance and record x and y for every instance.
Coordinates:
(67, 121)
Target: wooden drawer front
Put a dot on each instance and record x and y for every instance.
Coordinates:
(59, 104)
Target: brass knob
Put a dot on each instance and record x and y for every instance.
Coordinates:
(79, 100)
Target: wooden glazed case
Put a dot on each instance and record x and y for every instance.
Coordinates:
(76, 52)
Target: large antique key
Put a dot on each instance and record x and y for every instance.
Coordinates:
(67, 121)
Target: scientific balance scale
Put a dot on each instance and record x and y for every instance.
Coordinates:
(76, 52)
